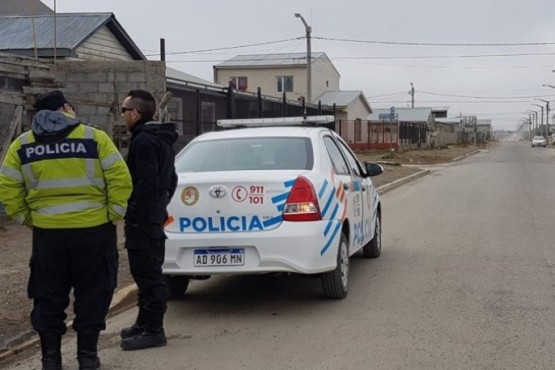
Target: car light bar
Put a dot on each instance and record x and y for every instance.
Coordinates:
(281, 121)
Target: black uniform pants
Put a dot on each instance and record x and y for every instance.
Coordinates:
(145, 248)
(85, 259)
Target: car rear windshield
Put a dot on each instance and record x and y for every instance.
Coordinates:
(247, 154)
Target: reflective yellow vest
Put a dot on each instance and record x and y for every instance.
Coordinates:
(80, 181)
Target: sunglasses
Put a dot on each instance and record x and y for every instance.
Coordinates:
(125, 109)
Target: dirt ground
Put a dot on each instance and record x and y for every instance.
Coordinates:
(15, 241)
(398, 164)
(15, 307)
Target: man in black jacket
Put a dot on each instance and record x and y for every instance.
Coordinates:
(151, 163)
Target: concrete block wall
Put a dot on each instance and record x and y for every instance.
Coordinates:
(97, 88)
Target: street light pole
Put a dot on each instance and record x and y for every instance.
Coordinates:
(546, 119)
(541, 106)
(308, 30)
(535, 124)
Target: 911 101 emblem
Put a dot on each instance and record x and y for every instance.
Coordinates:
(217, 191)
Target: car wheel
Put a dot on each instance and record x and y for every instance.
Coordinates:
(373, 248)
(176, 286)
(336, 283)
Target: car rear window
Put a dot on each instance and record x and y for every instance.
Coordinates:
(247, 154)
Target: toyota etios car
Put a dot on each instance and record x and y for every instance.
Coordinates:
(286, 197)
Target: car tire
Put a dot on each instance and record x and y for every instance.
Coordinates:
(176, 286)
(373, 249)
(336, 283)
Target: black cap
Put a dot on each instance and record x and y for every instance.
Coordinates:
(52, 100)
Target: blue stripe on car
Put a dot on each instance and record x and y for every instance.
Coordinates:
(331, 239)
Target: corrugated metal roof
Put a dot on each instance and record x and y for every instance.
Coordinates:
(281, 59)
(340, 98)
(180, 76)
(71, 30)
(404, 114)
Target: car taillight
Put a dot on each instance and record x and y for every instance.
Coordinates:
(302, 203)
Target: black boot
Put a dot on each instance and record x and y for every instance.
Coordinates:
(131, 331)
(135, 329)
(87, 350)
(148, 338)
(51, 356)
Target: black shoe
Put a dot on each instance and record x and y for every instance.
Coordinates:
(131, 331)
(148, 338)
(51, 354)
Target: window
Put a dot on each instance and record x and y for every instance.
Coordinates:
(239, 83)
(252, 154)
(175, 114)
(338, 162)
(284, 84)
(353, 162)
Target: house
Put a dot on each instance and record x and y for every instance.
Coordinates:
(350, 108)
(79, 36)
(449, 132)
(279, 74)
(416, 126)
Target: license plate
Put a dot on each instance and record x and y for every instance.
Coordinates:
(219, 257)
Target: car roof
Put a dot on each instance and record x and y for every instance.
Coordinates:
(281, 131)
(538, 137)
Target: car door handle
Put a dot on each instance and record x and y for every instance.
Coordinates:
(346, 187)
(363, 188)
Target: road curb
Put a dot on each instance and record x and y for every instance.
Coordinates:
(122, 300)
(395, 184)
(464, 156)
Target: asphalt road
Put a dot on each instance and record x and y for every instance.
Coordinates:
(466, 281)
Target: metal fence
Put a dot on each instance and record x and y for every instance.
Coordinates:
(197, 110)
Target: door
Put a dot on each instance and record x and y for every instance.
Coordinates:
(352, 189)
(363, 230)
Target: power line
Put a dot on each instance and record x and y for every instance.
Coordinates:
(485, 97)
(432, 44)
(228, 48)
(452, 56)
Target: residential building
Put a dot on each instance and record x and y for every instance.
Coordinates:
(350, 108)
(279, 74)
(79, 36)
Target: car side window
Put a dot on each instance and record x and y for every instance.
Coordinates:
(340, 166)
(353, 162)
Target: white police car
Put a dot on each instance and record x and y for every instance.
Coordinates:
(280, 198)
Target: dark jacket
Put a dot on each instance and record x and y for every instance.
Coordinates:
(151, 163)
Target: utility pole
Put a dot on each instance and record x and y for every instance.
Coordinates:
(411, 93)
(308, 30)
(547, 132)
(541, 125)
(534, 122)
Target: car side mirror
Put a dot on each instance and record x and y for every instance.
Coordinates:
(373, 169)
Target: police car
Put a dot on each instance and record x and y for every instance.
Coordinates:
(278, 195)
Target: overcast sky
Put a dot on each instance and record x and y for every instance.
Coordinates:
(371, 47)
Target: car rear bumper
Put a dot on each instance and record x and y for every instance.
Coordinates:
(292, 247)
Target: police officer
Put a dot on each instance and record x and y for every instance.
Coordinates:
(69, 183)
(151, 163)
